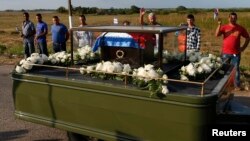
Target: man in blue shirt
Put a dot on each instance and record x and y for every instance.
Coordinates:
(41, 32)
(60, 35)
(28, 33)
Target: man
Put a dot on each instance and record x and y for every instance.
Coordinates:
(28, 33)
(151, 21)
(60, 35)
(231, 48)
(41, 32)
(84, 37)
(151, 18)
(193, 34)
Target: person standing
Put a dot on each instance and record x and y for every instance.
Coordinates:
(84, 37)
(193, 34)
(60, 35)
(28, 34)
(151, 18)
(41, 32)
(231, 47)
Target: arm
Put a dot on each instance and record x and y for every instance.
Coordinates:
(245, 44)
(142, 12)
(199, 39)
(218, 32)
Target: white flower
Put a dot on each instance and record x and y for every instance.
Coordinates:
(27, 65)
(206, 68)
(20, 69)
(92, 54)
(191, 69)
(44, 57)
(99, 66)
(117, 67)
(126, 68)
(82, 70)
(219, 60)
(213, 57)
(141, 73)
(90, 69)
(148, 67)
(200, 70)
(184, 78)
(165, 78)
(164, 90)
(110, 68)
(22, 61)
(152, 74)
(53, 61)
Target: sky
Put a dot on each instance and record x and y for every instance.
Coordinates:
(54, 4)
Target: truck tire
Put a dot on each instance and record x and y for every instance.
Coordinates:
(77, 137)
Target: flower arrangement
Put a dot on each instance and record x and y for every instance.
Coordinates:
(27, 64)
(144, 77)
(85, 54)
(172, 57)
(200, 69)
(60, 58)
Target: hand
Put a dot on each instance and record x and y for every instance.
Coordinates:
(142, 11)
(219, 21)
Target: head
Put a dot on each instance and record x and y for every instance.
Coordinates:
(152, 18)
(38, 17)
(82, 19)
(125, 23)
(55, 20)
(26, 16)
(190, 20)
(232, 18)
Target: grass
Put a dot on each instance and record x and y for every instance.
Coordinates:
(13, 42)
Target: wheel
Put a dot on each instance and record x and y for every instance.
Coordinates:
(77, 137)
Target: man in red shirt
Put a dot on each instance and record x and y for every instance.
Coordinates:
(231, 48)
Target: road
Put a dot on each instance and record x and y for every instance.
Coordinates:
(12, 129)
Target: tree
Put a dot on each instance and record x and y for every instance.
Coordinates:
(135, 9)
(62, 10)
(181, 8)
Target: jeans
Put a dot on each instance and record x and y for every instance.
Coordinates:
(29, 47)
(234, 59)
(42, 47)
(59, 47)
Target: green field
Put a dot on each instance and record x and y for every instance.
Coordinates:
(10, 39)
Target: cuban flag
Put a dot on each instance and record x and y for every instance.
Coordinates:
(216, 13)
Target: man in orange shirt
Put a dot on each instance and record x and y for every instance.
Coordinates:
(231, 48)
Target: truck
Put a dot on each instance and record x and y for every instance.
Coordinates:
(88, 107)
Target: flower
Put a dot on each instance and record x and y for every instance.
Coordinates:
(164, 90)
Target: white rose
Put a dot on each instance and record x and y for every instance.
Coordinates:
(20, 69)
(27, 65)
(153, 74)
(164, 90)
(148, 67)
(184, 78)
(99, 67)
(165, 78)
(126, 68)
(90, 69)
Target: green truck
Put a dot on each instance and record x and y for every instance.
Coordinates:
(112, 110)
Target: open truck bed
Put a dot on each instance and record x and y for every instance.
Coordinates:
(112, 111)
